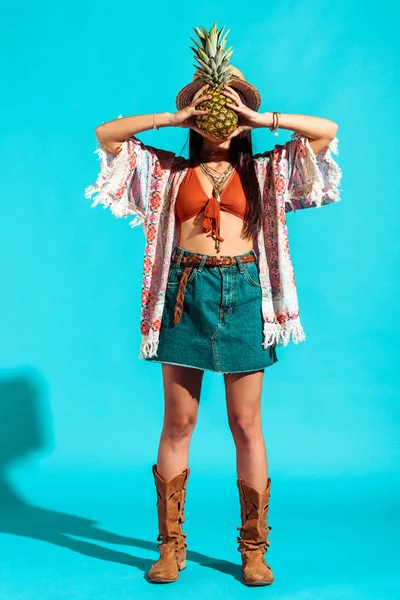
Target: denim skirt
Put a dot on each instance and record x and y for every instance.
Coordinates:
(221, 327)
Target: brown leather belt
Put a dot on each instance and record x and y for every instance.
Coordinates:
(195, 260)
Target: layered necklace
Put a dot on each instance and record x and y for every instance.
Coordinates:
(212, 211)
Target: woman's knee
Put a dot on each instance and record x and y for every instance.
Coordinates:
(246, 428)
(178, 428)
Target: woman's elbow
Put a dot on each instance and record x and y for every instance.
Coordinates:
(99, 132)
(333, 130)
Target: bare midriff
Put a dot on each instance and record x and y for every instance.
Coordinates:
(192, 237)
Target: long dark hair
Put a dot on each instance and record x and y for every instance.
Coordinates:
(241, 155)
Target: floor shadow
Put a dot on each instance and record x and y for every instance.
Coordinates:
(25, 426)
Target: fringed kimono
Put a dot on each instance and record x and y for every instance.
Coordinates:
(142, 182)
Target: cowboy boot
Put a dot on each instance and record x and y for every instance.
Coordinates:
(170, 504)
(253, 542)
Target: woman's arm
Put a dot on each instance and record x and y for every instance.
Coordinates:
(113, 133)
(318, 130)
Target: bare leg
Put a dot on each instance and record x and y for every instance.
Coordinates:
(243, 399)
(182, 387)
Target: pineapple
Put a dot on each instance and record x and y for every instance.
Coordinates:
(215, 70)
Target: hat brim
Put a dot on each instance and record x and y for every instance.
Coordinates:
(249, 91)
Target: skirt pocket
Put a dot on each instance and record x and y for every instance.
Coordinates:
(175, 275)
(251, 273)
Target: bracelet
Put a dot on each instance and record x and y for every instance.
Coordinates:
(275, 121)
(154, 121)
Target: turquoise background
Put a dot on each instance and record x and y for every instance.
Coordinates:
(81, 415)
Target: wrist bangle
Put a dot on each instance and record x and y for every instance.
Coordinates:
(275, 122)
(154, 121)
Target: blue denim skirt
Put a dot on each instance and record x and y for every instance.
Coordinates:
(221, 327)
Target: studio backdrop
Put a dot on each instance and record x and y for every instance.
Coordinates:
(80, 413)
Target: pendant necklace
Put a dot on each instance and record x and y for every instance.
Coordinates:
(217, 182)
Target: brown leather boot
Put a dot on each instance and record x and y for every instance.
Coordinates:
(170, 504)
(254, 531)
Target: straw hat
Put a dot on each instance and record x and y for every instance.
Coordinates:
(238, 82)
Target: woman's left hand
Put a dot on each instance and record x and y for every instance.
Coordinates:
(248, 118)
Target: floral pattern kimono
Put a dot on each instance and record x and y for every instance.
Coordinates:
(142, 182)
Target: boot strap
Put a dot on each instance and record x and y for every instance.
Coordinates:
(252, 544)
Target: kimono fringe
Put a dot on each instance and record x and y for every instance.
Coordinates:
(318, 185)
(149, 345)
(280, 334)
(111, 176)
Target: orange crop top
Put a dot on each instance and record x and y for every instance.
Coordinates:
(192, 199)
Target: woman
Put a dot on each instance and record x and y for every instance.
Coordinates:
(204, 311)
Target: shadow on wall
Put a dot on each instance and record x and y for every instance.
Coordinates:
(22, 426)
(25, 423)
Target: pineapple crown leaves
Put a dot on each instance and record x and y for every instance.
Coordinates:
(211, 55)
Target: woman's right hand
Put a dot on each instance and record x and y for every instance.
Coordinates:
(186, 116)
